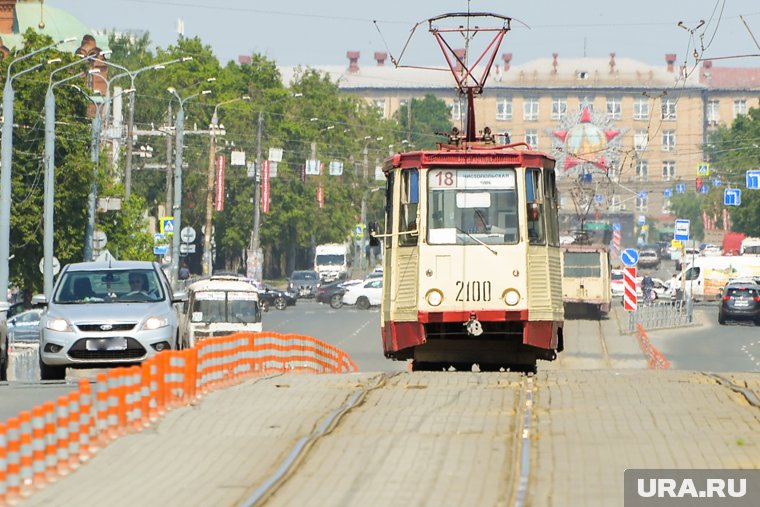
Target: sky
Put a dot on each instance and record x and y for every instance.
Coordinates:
(314, 33)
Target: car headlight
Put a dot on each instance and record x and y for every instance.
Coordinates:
(434, 297)
(155, 323)
(511, 297)
(58, 324)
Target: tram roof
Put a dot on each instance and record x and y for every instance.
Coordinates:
(485, 155)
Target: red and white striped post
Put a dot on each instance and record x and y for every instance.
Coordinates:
(630, 299)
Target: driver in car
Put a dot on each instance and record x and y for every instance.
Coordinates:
(138, 286)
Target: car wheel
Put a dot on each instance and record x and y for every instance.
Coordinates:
(52, 372)
(264, 304)
(336, 301)
(721, 319)
(362, 303)
(280, 303)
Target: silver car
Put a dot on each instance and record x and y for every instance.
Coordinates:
(106, 314)
(25, 326)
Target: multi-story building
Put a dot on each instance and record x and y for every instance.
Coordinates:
(626, 134)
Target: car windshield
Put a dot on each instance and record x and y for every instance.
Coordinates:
(742, 292)
(304, 275)
(330, 259)
(222, 306)
(109, 286)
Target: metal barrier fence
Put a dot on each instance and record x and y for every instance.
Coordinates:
(662, 315)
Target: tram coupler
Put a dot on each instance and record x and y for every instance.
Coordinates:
(473, 326)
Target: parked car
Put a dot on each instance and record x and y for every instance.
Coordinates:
(741, 301)
(219, 306)
(3, 341)
(649, 259)
(25, 326)
(365, 294)
(279, 299)
(303, 284)
(331, 294)
(106, 313)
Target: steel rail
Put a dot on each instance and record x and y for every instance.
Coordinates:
(750, 395)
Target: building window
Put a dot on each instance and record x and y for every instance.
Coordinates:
(587, 101)
(740, 107)
(504, 108)
(640, 140)
(531, 137)
(642, 201)
(530, 109)
(641, 108)
(642, 170)
(456, 110)
(668, 109)
(615, 205)
(669, 170)
(380, 104)
(713, 112)
(613, 108)
(668, 140)
(506, 137)
(666, 206)
(559, 108)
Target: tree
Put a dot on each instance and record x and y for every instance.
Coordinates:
(428, 116)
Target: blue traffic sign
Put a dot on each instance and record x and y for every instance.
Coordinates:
(616, 226)
(160, 250)
(732, 197)
(704, 189)
(753, 180)
(681, 232)
(680, 188)
(629, 257)
(716, 182)
(599, 198)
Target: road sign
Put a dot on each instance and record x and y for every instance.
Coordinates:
(705, 188)
(703, 169)
(681, 232)
(642, 219)
(187, 234)
(186, 248)
(599, 198)
(160, 250)
(680, 188)
(167, 226)
(732, 197)
(629, 257)
(99, 240)
(213, 229)
(56, 266)
(753, 180)
(716, 182)
(630, 299)
(359, 231)
(674, 243)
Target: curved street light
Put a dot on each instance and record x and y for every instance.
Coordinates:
(6, 161)
(214, 130)
(180, 125)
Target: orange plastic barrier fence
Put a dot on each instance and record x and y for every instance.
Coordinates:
(655, 358)
(54, 438)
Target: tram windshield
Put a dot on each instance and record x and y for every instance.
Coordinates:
(471, 206)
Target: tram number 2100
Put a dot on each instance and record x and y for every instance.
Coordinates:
(473, 291)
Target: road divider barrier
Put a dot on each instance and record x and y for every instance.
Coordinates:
(39, 446)
(655, 358)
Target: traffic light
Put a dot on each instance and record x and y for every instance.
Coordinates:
(699, 184)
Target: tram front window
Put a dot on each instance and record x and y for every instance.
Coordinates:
(471, 206)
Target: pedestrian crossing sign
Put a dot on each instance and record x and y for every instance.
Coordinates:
(167, 225)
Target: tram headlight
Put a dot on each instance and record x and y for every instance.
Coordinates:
(511, 297)
(434, 297)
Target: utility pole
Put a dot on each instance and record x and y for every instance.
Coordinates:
(92, 198)
(257, 203)
(177, 205)
(207, 257)
(168, 208)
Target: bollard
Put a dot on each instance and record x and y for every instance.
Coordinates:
(3, 464)
(51, 439)
(25, 448)
(39, 478)
(13, 490)
(86, 420)
(100, 427)
(62, 433)
(74, 430)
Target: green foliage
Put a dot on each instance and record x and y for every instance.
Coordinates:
(428, 116)
(734, 150)
(126, 229)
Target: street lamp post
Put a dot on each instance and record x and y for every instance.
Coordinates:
(214, 130)
(6, 161)
(49, 197)
(180, 125)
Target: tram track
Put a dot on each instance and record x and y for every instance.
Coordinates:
(748, 394)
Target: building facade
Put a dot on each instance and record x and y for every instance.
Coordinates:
(627, 135)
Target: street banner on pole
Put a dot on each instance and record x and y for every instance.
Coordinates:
(265, 186)
(220, 183)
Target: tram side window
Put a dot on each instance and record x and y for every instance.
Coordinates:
(389, 209)
(552, 208)
(535, 206)
(408, 203)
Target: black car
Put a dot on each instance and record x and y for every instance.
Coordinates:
(331, 294)
(303, 284)
(276, 298)
(741, 300)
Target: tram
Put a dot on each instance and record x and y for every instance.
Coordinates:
(586, 278)
(472, 253)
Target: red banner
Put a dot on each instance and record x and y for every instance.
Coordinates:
(265, 186)
(321, 196)
(220, 183)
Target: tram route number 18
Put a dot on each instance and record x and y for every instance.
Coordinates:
(473, 291)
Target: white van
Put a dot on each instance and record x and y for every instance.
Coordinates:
(220, 306)
(706, 276)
